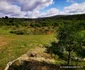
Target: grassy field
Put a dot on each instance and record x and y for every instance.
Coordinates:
(13, 46)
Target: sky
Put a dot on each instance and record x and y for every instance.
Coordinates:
(40, 8)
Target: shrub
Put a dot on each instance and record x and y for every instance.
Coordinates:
(19, 32)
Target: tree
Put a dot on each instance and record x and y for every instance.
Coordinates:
(70, 39)
(6, 17)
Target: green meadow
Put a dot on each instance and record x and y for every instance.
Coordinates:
(13, 46)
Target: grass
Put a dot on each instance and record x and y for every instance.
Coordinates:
(12, 46)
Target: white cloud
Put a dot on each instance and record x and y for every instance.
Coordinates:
(32, 8)
(23, 8)
(51, 12)
(33, 14)
(29, 5)
(9, 9)
(2, 14)
(75, 8)
(37, 14)
(72, 1)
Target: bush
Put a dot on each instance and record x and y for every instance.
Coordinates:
(55, 49)
(32, 31)
(19, 32)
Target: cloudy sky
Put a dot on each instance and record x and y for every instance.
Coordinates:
(40, 8)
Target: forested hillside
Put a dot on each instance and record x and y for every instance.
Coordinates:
(38, 22)
(46, 25)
